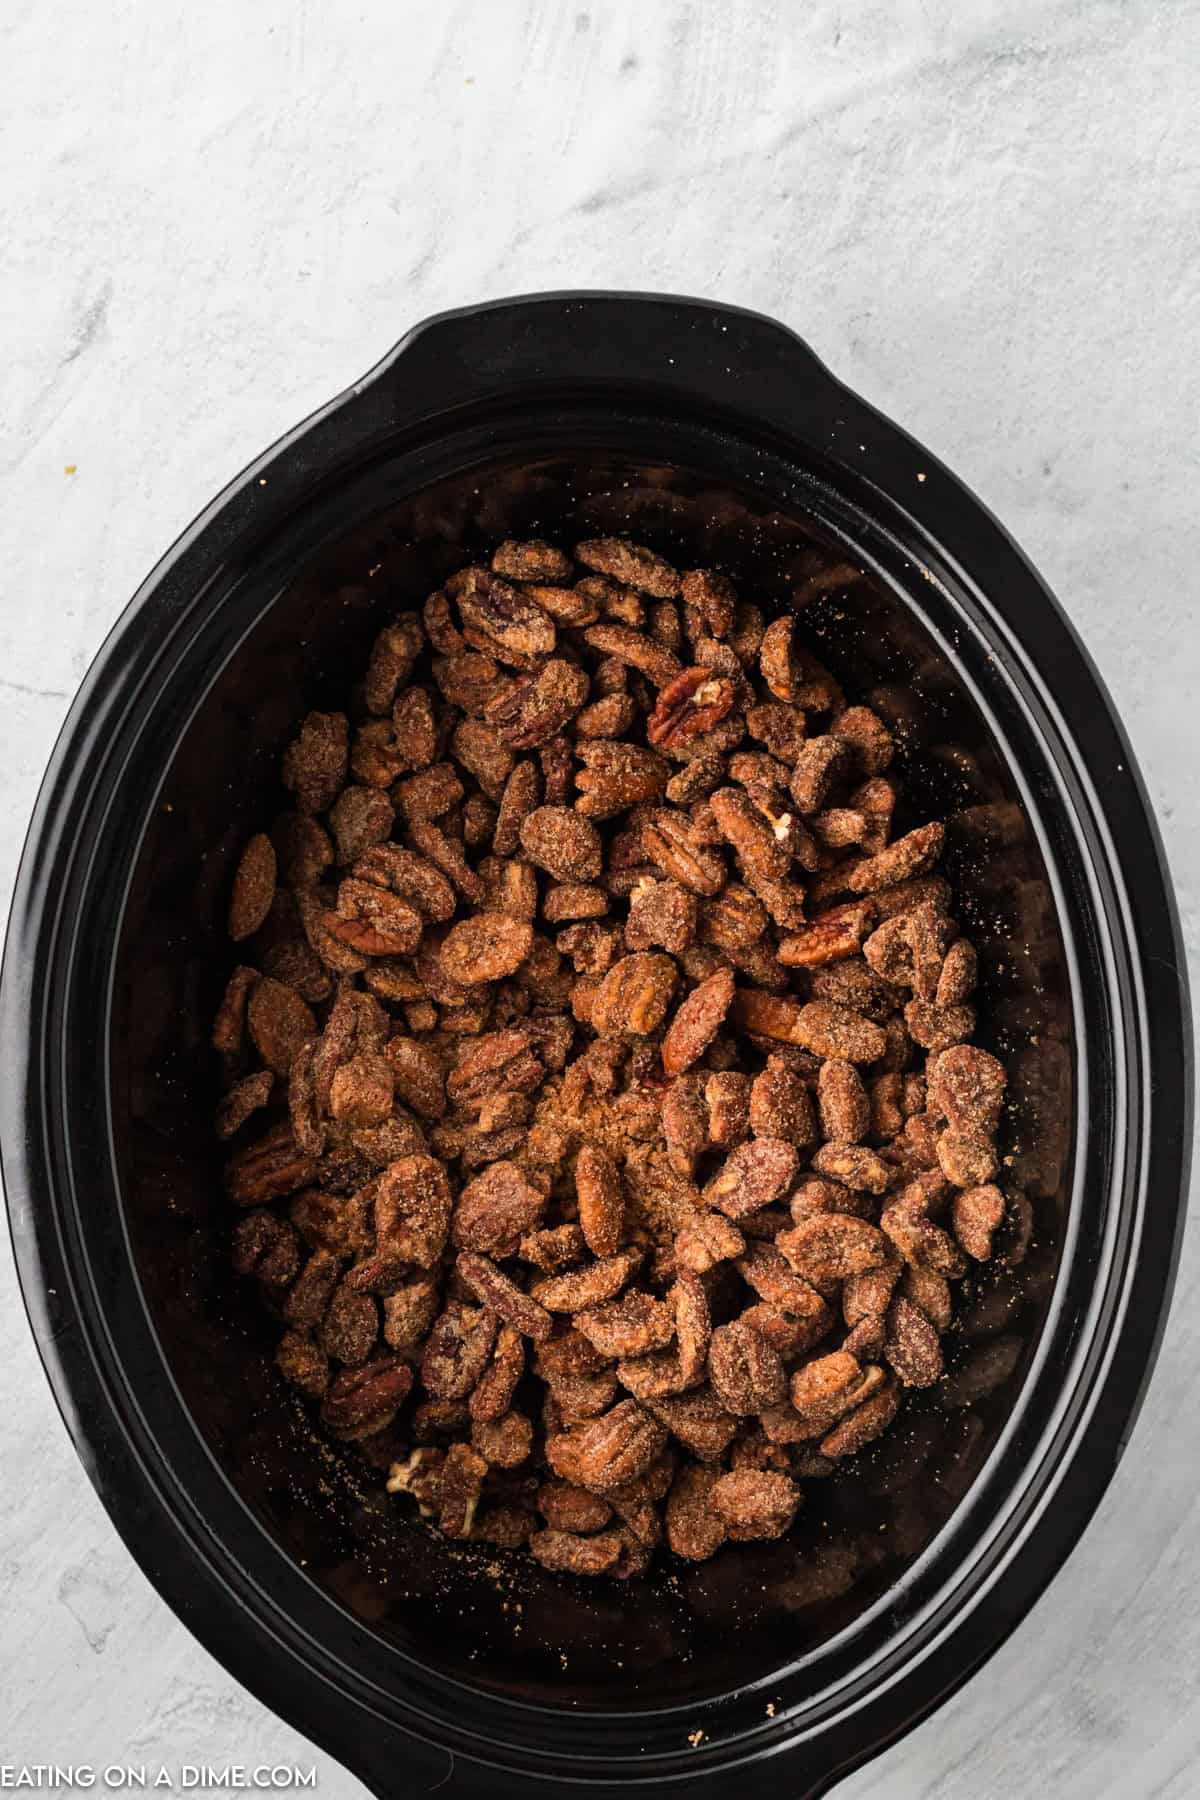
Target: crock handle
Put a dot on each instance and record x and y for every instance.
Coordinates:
(698, 351)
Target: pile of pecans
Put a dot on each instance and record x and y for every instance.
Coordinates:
(615, 1134)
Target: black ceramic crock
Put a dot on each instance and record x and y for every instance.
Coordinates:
(717, 436)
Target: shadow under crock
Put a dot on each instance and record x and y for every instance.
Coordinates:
(293, 641)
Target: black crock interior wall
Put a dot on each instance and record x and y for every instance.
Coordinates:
(480, 1615)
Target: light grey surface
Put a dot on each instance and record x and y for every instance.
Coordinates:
(983, 215)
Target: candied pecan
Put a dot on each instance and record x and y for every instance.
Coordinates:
(601, 1201)
(592, 948)
(557, 759)
(574, 901)
(930, 1292)
(504, 1443)
(459, 1487)
(267, 1248)
(697, 1022)
(279, 1022)
(781, 1106)
(855, 1165)
(885, 1106)
(616, 777)
(495, 1210)
(966, 1085)
(635, 994)
(429, 794)
(727, 1104)
(829, 1386)
(918, 1240)
(829, 938)
(629, 1326)
(817, 765)
(746, 1373)
(669, 840)
(412, 1210)
(518, 800)
(558, 840)
(502, 620)
(244, 1097)
(866, 737)
(503, 1296)
(632, 564)
(492, 1394)
(733, 920)
(845, 1108)
(765, 1268)
(698, 1420)
(711, 599)
(534, 708)
(393, 656)
(408, 1314)
(414, 737)
(350, 1326)
(531, 559)
(253, 888)
(302, 849)
(508, 1527)
(785, 1333)
(361, 1090)
(567, 1554)
(832, 1246)
(691, 704)
(640, 652)
(958, 974)
(457, 1350)
(312, 1290)
(574, 1509)
(755, 1503)
(486, 947)
(554, 1248)
(268, 1169)
(332, 1221)
(967, 1158)
(938, 1027)
(693, 1325)
(908, 857)
(869, 1294)
(414, 878)
(360, 817)
(863, 1424)
(760, 838)
(418, 1076)
(468, 680)
(609, 717)
(661, 913)
(364, 1399)
(376, 758)
(372, 921)
(477, 748)
(978, 1214)
(616, 1447)
(314, 764)
(586, 1287)
(912, 1346)
(753, 1175)
(302, 1364)
(706, 1240)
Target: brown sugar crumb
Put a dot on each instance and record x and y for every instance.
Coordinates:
(603, 1119)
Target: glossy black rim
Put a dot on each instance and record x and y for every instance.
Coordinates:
(472, 376)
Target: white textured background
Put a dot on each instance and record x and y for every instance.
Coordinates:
(985, 214)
